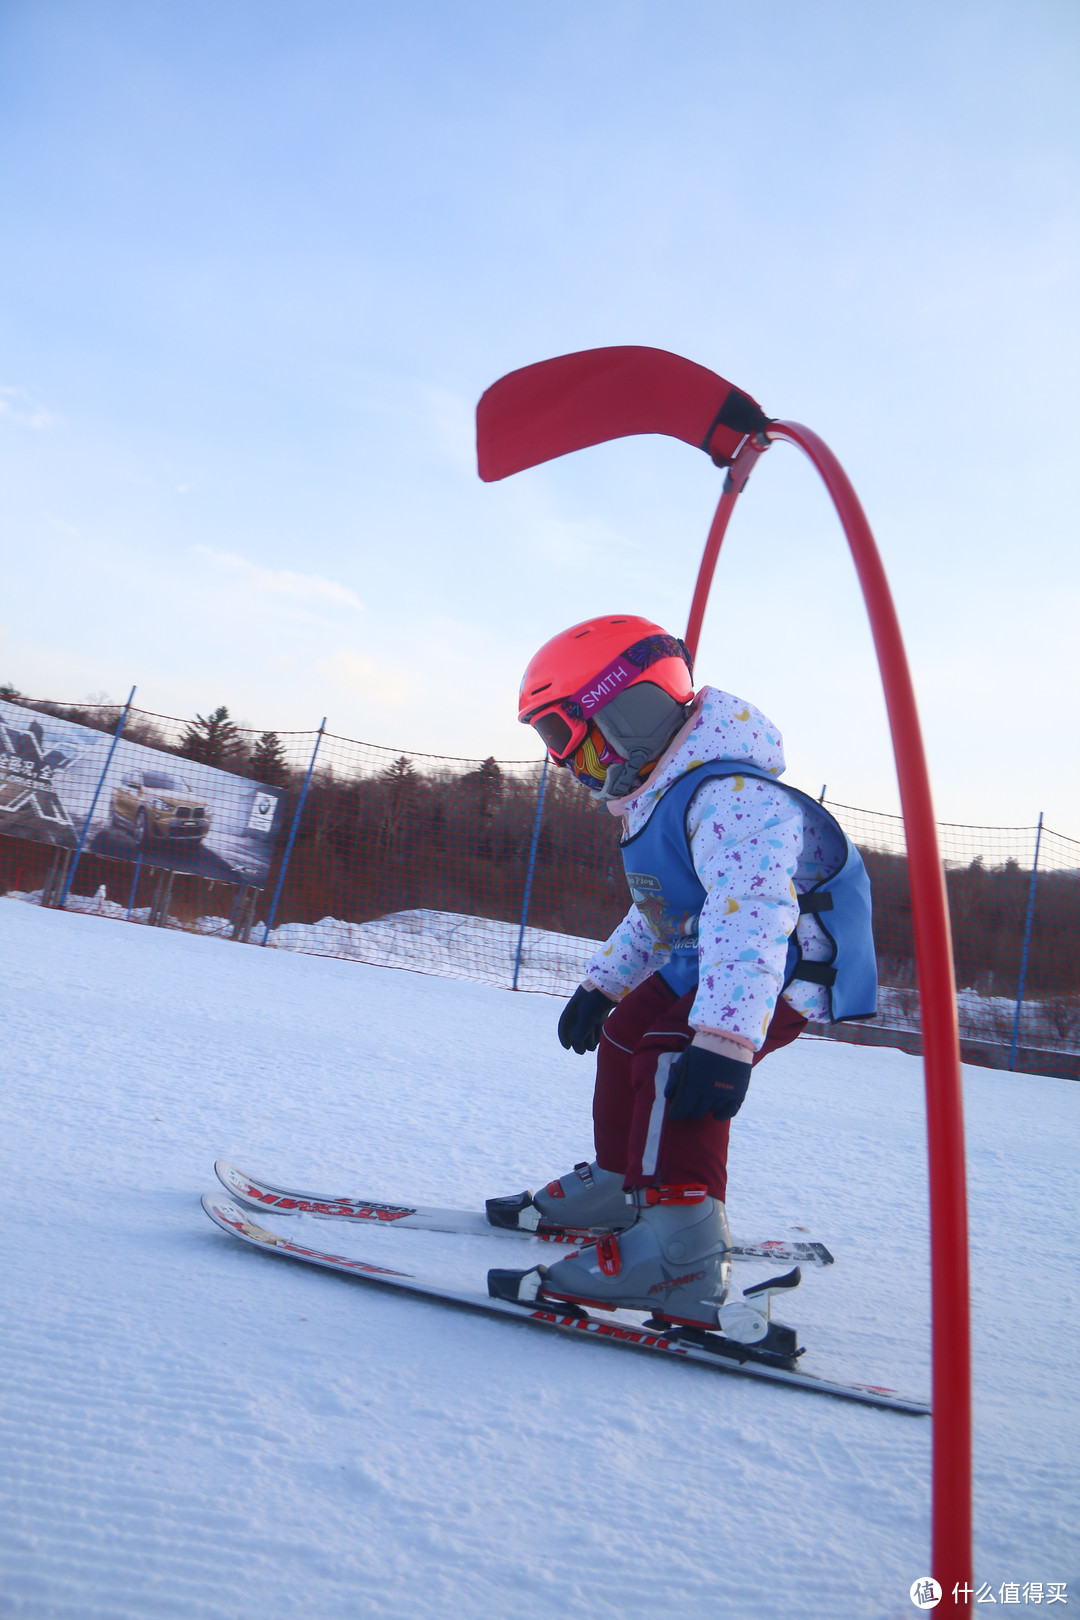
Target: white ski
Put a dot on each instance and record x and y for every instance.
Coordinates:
(706, 1350)
(264, 1195)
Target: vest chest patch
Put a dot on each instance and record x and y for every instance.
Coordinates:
(667, 924)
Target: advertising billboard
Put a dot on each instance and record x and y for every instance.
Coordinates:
(172, 812)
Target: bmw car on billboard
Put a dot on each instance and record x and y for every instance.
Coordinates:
(168, 811)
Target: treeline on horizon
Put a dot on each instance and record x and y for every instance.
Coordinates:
(211, 739)
(408, 837)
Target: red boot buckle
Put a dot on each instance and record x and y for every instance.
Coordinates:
(691, 1193)
(607, 1252)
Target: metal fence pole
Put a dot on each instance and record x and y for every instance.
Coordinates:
(531, 869)
(134, 884)
(292, 837)
(62, 902)
(1027, 942)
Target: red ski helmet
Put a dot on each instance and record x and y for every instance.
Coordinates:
(578, 673)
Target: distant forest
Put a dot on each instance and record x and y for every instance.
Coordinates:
(426, 835)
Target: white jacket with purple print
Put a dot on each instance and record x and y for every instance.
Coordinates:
(754, 857)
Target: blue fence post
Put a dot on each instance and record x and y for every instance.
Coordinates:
(62, 902)
(531, 869)
(134, 885)
(1027, 942)
(292, 838)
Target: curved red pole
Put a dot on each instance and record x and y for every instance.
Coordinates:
(742, 466)
(951, 1553)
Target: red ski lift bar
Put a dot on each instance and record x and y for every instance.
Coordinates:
(576, 400)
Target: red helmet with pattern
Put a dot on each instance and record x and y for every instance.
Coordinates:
(610, 692)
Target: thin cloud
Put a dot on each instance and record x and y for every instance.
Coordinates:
(19, 408)
(355, 673)
(308, 588)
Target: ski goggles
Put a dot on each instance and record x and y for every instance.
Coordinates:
(562, 734)
(640, 716)
(577, 743)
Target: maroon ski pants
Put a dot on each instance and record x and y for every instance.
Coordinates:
(632, 1131)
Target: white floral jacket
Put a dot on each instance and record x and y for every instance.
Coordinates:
(753, 855)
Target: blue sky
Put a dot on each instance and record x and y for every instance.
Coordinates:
(261, 259)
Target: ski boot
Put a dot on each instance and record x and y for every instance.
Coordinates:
(674, 1260)
(675, 1263)
(586, 1199)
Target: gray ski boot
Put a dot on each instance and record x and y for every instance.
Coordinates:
(585, 1199)
(675, 1261)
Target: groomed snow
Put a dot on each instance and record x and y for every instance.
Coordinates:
(458, 946)
(449, 943)
(193, 1429)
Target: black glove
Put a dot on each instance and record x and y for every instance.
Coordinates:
(701, 1082)
(583, 1018)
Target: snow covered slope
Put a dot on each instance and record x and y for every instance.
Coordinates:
(191, 1429)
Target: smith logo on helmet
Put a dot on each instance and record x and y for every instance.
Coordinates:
(606, 685)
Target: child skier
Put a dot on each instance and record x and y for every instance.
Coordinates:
(721, 959)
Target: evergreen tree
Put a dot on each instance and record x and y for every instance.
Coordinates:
(489, 778)
(485, 784)
(401, 774)
(484, 787)
(211, 739)
(401, 779)
(268, 762)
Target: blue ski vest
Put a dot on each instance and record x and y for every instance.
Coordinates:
(669, 894)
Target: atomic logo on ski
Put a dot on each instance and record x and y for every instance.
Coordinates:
(340, 1209)
(610, 1330)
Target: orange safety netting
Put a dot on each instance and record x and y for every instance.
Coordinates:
(420, 862)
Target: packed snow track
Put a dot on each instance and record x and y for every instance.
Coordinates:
(192, 1430)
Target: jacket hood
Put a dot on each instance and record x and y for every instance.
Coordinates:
(721, 726)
